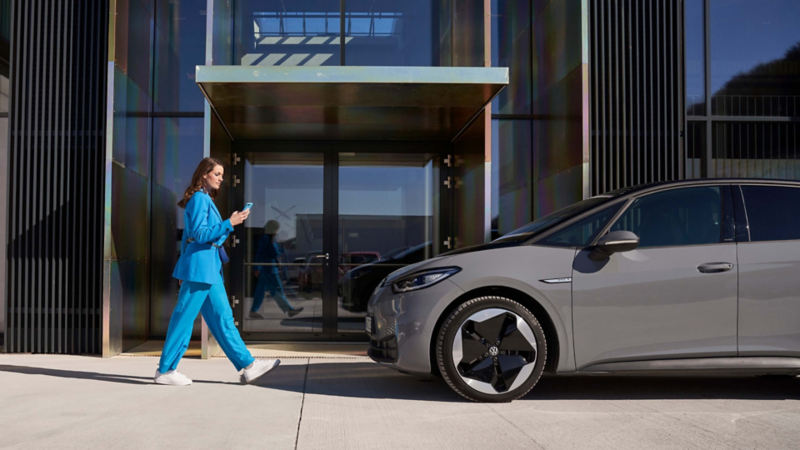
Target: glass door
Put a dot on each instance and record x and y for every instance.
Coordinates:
(326, 227)
(284, 250)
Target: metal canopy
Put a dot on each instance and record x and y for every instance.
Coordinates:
(348, 103)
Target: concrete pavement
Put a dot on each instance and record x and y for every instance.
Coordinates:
(336, 403)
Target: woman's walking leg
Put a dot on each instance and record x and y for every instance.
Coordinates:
(190, 300)
(217, 313)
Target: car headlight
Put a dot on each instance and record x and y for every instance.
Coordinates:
(421, 280)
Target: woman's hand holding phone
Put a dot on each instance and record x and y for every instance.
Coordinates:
(239, 217)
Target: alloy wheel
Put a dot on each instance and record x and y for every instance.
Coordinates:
(494, 351)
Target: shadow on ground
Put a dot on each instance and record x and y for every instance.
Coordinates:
(82, 375)
(369, 380)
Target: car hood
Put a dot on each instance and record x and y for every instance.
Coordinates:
(446, 259)
(483, 247)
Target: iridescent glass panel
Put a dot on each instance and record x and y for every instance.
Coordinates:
(180, 46)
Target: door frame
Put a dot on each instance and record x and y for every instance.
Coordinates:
(330, 151)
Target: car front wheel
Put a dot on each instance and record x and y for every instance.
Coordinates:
(491, 349)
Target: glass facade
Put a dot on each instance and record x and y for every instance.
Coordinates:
(177, 147)
(176, 142)
(391, 33)
(512, 169)
(306, 34)
(180, 45)
(755, 48)
(695, 54)
(751, 49)
(754, 78)
(512, 113)
(511, 47)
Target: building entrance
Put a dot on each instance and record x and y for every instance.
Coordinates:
(329, 222)
(353, 172)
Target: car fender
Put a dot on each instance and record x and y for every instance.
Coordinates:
(538, 272)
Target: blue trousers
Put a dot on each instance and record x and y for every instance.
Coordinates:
(271, 281)
(211, 300)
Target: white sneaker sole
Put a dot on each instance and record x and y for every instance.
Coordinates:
(172, 382)
(263, 372)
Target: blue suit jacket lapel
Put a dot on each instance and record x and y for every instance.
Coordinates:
(216, 211)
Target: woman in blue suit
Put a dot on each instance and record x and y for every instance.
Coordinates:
(202, 290)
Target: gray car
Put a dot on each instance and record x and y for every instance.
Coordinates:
(676, 277)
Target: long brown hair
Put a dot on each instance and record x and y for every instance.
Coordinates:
(204, 168)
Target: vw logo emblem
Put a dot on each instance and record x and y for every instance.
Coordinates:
(493, 350)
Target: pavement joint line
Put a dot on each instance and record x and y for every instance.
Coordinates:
(302, 403)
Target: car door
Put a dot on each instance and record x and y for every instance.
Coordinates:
(674, 296)
(769, 271)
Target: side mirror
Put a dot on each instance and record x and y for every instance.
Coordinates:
(615, 242)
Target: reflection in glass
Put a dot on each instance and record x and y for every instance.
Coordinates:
(695, 149)
(511, 47)
(387, 220)
(392, 33)
(755, 58)
(283, 241)
(180, 46)
(271, 273)
(280, 33)
(177, 148)
(755, 150)
(695, 58)
(511, 174)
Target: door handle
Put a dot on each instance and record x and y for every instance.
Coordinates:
(714, 267)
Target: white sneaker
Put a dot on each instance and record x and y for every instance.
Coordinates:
(172, 378)
(259, 369)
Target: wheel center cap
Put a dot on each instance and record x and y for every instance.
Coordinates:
(494, 351)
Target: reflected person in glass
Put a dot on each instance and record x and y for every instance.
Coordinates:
(199, 270)
(268, 253)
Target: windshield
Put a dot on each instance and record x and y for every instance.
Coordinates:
(553, 219)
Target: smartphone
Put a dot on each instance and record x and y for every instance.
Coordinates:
(247, 206)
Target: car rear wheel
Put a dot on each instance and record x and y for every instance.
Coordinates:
(491, 349)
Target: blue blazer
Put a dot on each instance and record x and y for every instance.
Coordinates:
(199, 261)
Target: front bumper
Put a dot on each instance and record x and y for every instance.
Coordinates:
(403, 325)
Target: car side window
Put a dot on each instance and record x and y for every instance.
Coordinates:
(685, 216)
(582, 232)
(772, 212)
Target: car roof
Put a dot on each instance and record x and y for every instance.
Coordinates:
(636, 190)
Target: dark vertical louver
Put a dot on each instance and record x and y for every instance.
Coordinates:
(636, 94)
(56, 160)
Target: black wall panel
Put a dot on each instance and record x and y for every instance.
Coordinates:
(636, 92)
(56, 176)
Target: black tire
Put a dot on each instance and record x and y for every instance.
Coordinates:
(449, 370)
